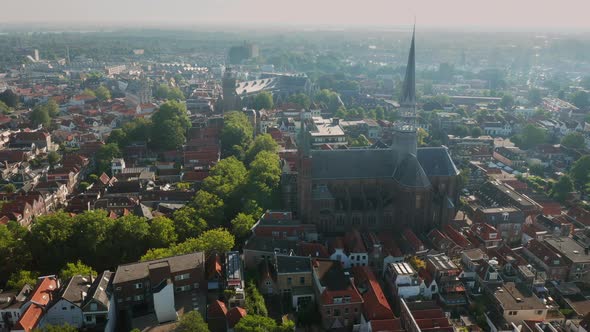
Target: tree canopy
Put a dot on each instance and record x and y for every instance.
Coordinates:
(236, 134)
(562, 188)
(170, 123)
(102, 93)
(574, 141)
(191, 321)
(580, 171)
(263, 100)
(74, 269)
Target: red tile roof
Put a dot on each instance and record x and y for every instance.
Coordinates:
(386, 325)
(40, 298)
(234, 316)
(375, 305)
(216, 309)
(413, 240)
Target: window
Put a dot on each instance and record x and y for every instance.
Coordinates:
(539, 312)
(89, 318)
(64, 308)
(345, 310)
(301, 280)
(93, 306)
(289, 281)
(72, 307)
(138, 285)
(138, 298)
(336, 312)
(418, 201)
(182, 276)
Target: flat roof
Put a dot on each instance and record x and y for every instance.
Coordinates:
(569, 248)
(512, 298)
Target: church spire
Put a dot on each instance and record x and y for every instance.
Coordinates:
(408, 98)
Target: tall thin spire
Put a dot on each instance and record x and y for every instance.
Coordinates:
(408, 97)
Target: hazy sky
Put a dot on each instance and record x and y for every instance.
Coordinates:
(446, 13)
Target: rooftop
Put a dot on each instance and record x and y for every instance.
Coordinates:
(293, 264)
(571, 249)
(511, 297)
(140, 270)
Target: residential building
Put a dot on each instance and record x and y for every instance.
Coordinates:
(340, 304)
(157, 286)
(423, 316)
(37, 303)
(515, 304)
(403, 281)
(576, 256)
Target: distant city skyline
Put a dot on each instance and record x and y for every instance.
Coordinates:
(502, 14)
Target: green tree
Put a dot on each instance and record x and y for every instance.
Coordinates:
(52, 108)
(580, 99)
(532, 136)
(329, 99)
(209, 207)
(21, 278)
(574, 141)
(301, 99)
(105, 155)
(242, 224)
(188, 223)
(236, 134)
(53, 158)
(476, 132)
(562, 188)
(40, 116)
(256, 323)
(216, 240)
(191, 321)
(102, 93)
(580, 171)
(255, 304)
(264, 177)
(4, 109)
(162, 233)
(175, 94)
(226, 178)
(170, 124)
(91, 234)
(422, 135)
(9, 188)
(56, 328)
(49, 241)
(537, 169)
(14, 253)
(74, 269)
(162, 91)
(89, 93)
(263, 142)
(535, 97)
(507, 102)
(9, 98)
(461, 131)
(263, 100)
(128, 237)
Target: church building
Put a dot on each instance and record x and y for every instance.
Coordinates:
(379, 188)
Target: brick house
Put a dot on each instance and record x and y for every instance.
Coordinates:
(339, 301)
(154, 286)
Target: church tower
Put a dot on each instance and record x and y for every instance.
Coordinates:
(405, 140)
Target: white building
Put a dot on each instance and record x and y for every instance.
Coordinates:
(403, 280)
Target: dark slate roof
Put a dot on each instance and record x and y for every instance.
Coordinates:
(76, 289)
(293, 264)
(436, 161)
(352, 164)
(410, 173)
(380, 163)
(98, 290)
